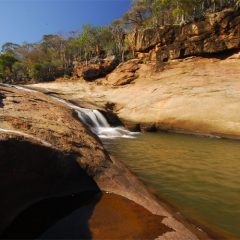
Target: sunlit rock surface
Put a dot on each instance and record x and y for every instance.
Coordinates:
(196, 95)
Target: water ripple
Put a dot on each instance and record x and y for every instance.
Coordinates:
(199, 175)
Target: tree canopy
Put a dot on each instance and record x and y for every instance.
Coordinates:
(55, 55)
(153, 13)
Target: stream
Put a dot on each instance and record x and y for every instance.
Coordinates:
(199, 176)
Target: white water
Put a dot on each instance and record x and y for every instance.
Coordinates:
(94, 119)
(98, 123)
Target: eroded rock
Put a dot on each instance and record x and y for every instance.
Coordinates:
(219, 32)
(124, 74)
(93, 71)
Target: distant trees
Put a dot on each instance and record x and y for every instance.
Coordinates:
(6, 65)
(56, 55)
(94, 42)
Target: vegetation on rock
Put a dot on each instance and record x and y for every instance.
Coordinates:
(155, 13)
(56, 55)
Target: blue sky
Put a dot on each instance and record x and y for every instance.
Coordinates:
(28, 20)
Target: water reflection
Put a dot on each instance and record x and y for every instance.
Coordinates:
(201, 176)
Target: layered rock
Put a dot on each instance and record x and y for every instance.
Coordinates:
(218, 32)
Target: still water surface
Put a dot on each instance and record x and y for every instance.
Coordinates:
(200, 176)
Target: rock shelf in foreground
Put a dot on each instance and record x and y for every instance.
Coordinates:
(57, 155)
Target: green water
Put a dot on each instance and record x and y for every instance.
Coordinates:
(200, 176)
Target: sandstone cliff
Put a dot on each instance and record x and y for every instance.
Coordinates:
(92, 71)
(218, 32)
(218, 35)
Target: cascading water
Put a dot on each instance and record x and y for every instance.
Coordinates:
(98, 123)
(92, 118)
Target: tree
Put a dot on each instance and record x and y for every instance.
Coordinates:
(118, 32)
(139, 13)
(6, 63)
(20, 72)
(9, 48)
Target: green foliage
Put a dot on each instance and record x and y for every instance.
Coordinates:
(6, 63)
(95, 41)
(44, 72)
(153, 13)
(56, 55)
(9, 48)
(20, 72)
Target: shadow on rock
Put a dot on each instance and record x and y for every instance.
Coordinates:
(1, 100)
(34, 183)
(55, 218)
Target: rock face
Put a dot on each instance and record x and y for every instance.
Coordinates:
(124, 74)
(219, 32)
(93, 71)
(196, 95)
(45, 151)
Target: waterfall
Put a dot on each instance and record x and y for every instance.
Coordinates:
(101, 118)
(97, 122)
(94, 119)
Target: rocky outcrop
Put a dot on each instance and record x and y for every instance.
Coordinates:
(217, 33)
(45, 151)
(93, 71)
(195, 95)
(124, 74)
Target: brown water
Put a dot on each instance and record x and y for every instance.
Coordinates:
(200, 176)
(88, 215)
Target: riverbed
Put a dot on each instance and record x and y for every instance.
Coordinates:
(198, 175)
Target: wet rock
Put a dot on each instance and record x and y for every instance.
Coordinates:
(131, 126)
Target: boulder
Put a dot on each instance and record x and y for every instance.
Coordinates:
(96, 70)
(124, 74)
